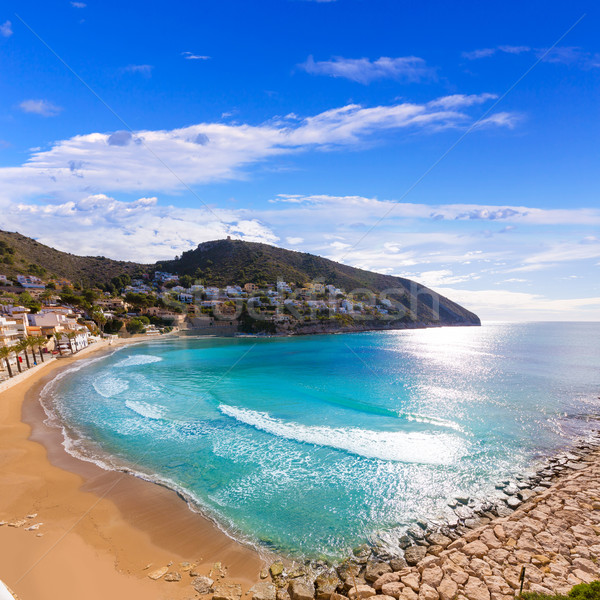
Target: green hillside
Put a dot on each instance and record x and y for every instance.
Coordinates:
(227, 262)
(230, 262)
(21, 255)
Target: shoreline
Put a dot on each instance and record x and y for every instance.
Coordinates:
(101, 529)
(550, 535)
(137, 526)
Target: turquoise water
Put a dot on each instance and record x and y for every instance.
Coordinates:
(312, 445)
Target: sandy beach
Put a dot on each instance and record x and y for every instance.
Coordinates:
(71, 530)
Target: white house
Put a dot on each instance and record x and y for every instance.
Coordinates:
(233, 290)
(76, 343)
(9, 333)
(29, 281)
(282, 286)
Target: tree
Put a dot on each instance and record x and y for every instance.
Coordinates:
(30, 341)
(16, 351)
(37, 342)
(22, 346)
(135, 326)
(57, 337)
(5, 353)
(71, 335)
(99, 318)
(113, 326)
(28, 301)
(186, 281)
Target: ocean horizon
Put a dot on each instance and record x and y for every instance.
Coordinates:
(310, 446)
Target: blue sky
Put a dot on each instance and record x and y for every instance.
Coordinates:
(454, 143)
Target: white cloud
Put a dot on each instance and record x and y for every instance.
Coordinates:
(78, 4)
(139, 230)
(192, 56)
(168, 160)
(362, 70)
(565, 252)
(440, 277)
(40, 107)
(523, 306)
(486, 52)
(566, 55)
(501, 119)
(145, 70)
(461, 100)
(338, 205)
(446, 254)
(6, 29)
(481, 53)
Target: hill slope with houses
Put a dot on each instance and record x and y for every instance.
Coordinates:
(225, 284)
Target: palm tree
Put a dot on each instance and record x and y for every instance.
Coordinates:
(31, 343)
(57, 337)
(71, 335)
(99, 318)
(40, 341)
(22, 346)
(16, 351)
(5, 353)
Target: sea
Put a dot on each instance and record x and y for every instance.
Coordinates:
(310, 446)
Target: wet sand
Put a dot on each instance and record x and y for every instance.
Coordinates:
(100, 529)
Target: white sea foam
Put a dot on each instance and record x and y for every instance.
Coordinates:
(150, 411)
(430, 420)
(138, 359)
(398, 446)
(109, 386)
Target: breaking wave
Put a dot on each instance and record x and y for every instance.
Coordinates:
(109, 386)
(149, 411)
(138, 359)
(411, 447)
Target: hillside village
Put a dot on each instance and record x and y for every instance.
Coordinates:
(56, 316)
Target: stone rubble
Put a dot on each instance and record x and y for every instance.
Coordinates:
(548, 523)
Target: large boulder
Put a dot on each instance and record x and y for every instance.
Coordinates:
(301, 589)
(264, 590)
(348, 569)
(414, 554)
(203, 584)
(398, 564)
(476, 548)
(447, 589)
(227, 591)
(432, 576)
(428, 593)
(392, 588)
(385, 578)
(375, 570)
(439, 539)
(326, 584)
(412, 580)
(475, 589)
(360, 592)
(158, 573)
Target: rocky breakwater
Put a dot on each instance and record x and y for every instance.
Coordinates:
(548, 523)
